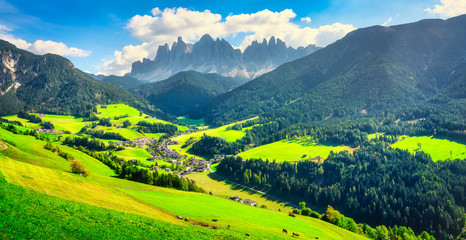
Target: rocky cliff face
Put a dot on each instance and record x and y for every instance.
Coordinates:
(217, 56)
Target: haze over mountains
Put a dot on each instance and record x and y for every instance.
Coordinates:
(217, 56)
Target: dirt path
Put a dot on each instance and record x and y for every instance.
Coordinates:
(3, 146)
(252, 189)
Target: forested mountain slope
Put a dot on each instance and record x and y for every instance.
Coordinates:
(371, 70)
(50, 83)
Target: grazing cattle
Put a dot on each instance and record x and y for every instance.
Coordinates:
(285, 231)
(247, 234)
(179, 217)
(317, 237)
(216, 227)
(214, 220)
(295, 235)
(205, 225)
(186, 219)
(291, 214)
(228, 225)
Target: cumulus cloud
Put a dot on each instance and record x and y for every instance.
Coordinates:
(306, 19)
(387, 22)
(448, 8)
(122, 60)
(41, 46)
(164, 26)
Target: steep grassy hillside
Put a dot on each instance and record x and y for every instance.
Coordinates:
(89, 199)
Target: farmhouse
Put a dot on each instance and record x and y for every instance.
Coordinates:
(248, 202)
(235, 198)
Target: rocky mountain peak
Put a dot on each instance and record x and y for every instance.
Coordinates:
(216, 56)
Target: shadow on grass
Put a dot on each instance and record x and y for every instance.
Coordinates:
(236, 187)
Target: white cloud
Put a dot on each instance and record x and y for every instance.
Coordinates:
(41, 46)
(387, 22)
(306, 19)
(164, 26)
(448, 8)
(4, 28)
(122, 60)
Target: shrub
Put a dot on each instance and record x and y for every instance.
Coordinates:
(78, 168)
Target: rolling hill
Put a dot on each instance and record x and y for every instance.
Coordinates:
(371, 71)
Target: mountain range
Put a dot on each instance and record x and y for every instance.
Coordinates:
(372, 70)
(217, 56)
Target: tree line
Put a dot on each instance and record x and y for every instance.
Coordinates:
(375, 184)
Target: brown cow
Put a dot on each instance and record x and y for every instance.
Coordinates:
(285, 231)
(317, 237)
(291, 214)
(179, 217)
(228, 225)
(186, 219)
(247, 234)
(216, 227)
(295, 235)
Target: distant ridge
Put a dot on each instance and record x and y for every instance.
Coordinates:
(217, 56)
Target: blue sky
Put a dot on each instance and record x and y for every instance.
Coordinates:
(106, 36)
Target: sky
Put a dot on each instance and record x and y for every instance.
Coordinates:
(107, 36)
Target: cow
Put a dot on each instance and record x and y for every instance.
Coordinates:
(228, 225)
(186, 219)
(247, 234)
(317, 237)
(285, 231)
(295, 235)
(216, 227)
(179, 217)
(214, 220)
(291, 214)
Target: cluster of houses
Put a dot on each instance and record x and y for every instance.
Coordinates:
(244, 201)
(167, 152)
(48, 131)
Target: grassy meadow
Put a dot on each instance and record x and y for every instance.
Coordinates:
(225, 189)
(100, 205)
(191, 122)
(291, 150)
(438, 148)
(222, 132)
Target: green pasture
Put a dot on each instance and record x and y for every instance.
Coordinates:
(116, 110)
(222, 132)
(191, 122)
(133, 153)
(65, 123)
(291, 150)
(225, 189)
(27, 214)
(26, 123)
(240, 217)
(32, 167)
(438, 148)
